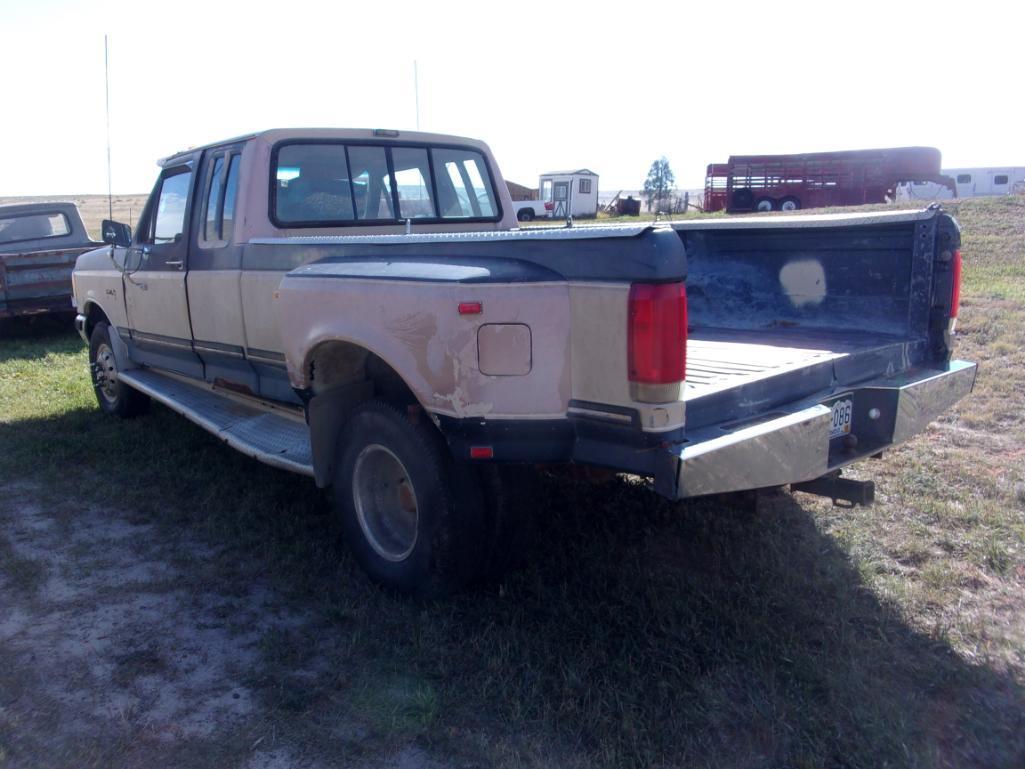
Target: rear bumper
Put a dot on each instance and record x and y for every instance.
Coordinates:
(791, 445)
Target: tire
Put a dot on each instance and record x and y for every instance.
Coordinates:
(114, 397)
(525, 215)
(790, 204)
(412, 516)
(511, 494)
(765, 204)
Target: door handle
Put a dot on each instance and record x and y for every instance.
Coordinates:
(174, 262)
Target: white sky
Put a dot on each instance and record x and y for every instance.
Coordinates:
(609, 86)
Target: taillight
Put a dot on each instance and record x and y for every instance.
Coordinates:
(955, 291)
(657, 339)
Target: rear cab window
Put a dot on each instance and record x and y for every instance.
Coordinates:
(339, 183)
(34, 227)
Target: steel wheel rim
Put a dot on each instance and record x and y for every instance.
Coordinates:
(105, 373)
(386, 503)
(763, 205)
(788, 205)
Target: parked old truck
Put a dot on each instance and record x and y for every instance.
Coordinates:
(360, 307)
(39, 243)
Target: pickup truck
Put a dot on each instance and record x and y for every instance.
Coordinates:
(39, 243)
(360, 307)
(529, 210)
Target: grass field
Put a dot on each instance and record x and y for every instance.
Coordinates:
(171, 603)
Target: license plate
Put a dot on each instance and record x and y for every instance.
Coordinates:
(841, 424)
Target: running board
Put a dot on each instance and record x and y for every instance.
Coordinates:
(258, 432)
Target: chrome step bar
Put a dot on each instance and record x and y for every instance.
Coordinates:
(272, 438)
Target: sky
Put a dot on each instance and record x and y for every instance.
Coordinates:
(610, 86)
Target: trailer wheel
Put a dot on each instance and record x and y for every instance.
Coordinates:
(412, 515)
(764, 204)
(789, 204)
(525, 215)
(114, 397)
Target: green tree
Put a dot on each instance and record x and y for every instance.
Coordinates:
(659, 185)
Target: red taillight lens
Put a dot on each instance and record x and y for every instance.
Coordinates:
(657, 333)
(955, 292)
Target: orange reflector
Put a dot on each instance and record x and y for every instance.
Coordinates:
(470, 308)
(481, 452)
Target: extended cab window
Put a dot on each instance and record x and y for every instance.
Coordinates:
(169, 217)
(219, 220)
(230, 194)
(335, 184)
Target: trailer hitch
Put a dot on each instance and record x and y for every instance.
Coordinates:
(839, 489)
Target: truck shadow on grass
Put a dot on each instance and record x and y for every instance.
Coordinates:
(640, 633)
(24, 337)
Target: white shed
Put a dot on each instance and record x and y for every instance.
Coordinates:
(572, 193)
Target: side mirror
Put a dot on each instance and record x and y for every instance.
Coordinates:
(116, 233)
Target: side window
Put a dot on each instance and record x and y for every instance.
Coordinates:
(413, 183)
(213, 202)
(169, 218)
(585, 186)
(1000, 179)
(230, 194)
(964, 178)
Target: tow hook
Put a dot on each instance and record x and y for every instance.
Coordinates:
(839, 489)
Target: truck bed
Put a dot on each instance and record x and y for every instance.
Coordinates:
(743, 372)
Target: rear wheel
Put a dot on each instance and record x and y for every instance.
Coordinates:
(412, 516)
(764, 204)
(789, 204)
(525, 215)
(114, 396)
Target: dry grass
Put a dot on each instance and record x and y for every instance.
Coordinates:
(641, 634)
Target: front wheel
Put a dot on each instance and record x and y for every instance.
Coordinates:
(114, 396)
(410, 513)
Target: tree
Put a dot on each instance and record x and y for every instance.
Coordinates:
(659, 184)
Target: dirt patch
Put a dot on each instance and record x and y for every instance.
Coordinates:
(113, 649)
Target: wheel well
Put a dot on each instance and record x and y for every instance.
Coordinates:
(93, 315)
(337, 363)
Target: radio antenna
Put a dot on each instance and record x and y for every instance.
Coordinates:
(416, 92)
(106, 85)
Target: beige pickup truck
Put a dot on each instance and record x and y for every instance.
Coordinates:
(360, 307)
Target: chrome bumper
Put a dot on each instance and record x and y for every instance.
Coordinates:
(791, 445)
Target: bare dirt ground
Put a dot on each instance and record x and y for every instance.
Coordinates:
(116, 651)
